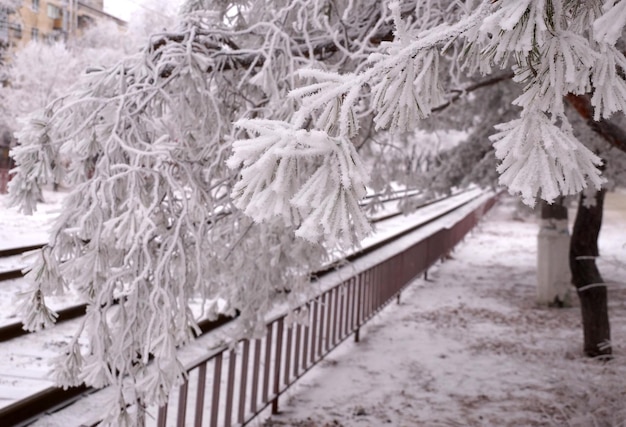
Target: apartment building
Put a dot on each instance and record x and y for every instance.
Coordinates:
(50, 20)
(43, 20)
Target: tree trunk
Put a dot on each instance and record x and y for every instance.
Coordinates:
(553, 271)
(586, 277)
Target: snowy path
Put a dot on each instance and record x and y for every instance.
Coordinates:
(470, 348)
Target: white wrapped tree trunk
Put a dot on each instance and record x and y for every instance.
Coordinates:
(553, 272)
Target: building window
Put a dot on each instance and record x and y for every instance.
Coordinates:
(35, 5)
(4, 26)
(85, 21)
(34, 34)
(17, 30)
(54, 12)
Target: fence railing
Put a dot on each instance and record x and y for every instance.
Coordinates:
(244, 380)
(4, 180)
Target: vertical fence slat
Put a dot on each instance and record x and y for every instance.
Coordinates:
(329, 313)
(349, 298)
(217, 382)
(355, 303)
(230, 388)
(314, 335)
(342, 300)
(277, 359)
(287, 377)
(375, 289)
(320, 342)
(182, 404)
(305, 347)
(333, 340)
(296, 354)
(368, 293)
(200, 395)
(380, 289)
(359, 303)
(243, 381)
(266, 368)
(162, 416)
(350, 304)
(256, 367)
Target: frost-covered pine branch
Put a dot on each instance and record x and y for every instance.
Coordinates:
(547, 43)
(172, 203)
(310, 180)
(531, 169)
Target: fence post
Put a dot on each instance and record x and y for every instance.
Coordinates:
(217, 378)
(200, 394)
(277, 356)
(359, 294)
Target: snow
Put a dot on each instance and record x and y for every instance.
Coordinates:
(470, 347)
(17, 229)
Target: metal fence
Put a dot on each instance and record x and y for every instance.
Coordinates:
(6, 163)
(4, 180)
(242, 381)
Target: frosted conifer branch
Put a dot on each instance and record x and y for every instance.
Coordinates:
(335, 95)
(67, 367)
(565, 66)
(539, 159)
(36, 158)
(609, 87)
(37, 314)
(408, 92)
(46, 280)
(609, 27)
(404, 77)
(149, 211)
(515, 28)
(308, 179)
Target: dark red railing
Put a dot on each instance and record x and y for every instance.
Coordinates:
(4, 180)
(243, 380)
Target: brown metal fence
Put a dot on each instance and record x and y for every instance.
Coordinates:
(231, 386)
(6, 163)
(4, 180)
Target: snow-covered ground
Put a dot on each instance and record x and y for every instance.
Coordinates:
(17, 229)
(470, 347)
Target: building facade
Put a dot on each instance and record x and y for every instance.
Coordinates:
(51, 20)
(45, 21)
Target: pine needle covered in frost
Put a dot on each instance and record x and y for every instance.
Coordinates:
(538, 158)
